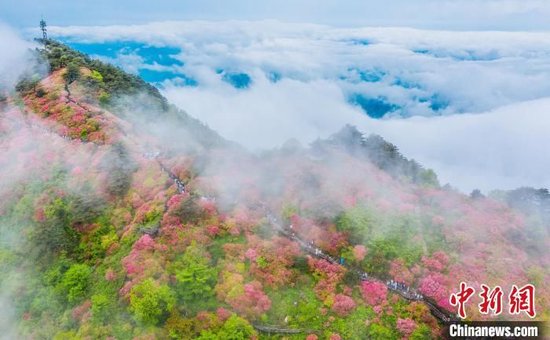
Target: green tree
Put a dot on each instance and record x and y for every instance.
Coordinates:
(422, 332)
(189, 211)
(27, 84)
(96, 76)
(72, 73)
(353, 327)
(150, 301)
(66, 335)
(195, 277)
(306, 309)
(358, 222)
(75, 282)
(379, 332)
(56, 233)
(428, 177)
(234, 328)
(381, 252)
(182, 328)
(101, 304)
(119, 166)
(104, 99)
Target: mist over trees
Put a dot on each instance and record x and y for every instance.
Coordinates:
(99, 239)
(382, 153)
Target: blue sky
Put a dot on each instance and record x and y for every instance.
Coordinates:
(437, 14)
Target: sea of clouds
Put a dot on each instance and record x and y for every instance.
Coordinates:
(472, 105)
(15, 57)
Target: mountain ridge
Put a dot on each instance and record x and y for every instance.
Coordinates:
(134, 220)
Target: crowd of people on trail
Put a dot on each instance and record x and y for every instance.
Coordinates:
(398, 287)
(180, 186)
(404, 290)
(151, 154)
(310, 247)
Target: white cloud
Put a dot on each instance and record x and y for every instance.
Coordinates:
(472, 71)
(14, 59)
(499, 78)
(269, 113)
(504, 148)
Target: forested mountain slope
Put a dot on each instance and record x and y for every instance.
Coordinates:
(122, 217)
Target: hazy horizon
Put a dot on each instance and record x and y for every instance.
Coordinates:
(508, 15)
(454, 101)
